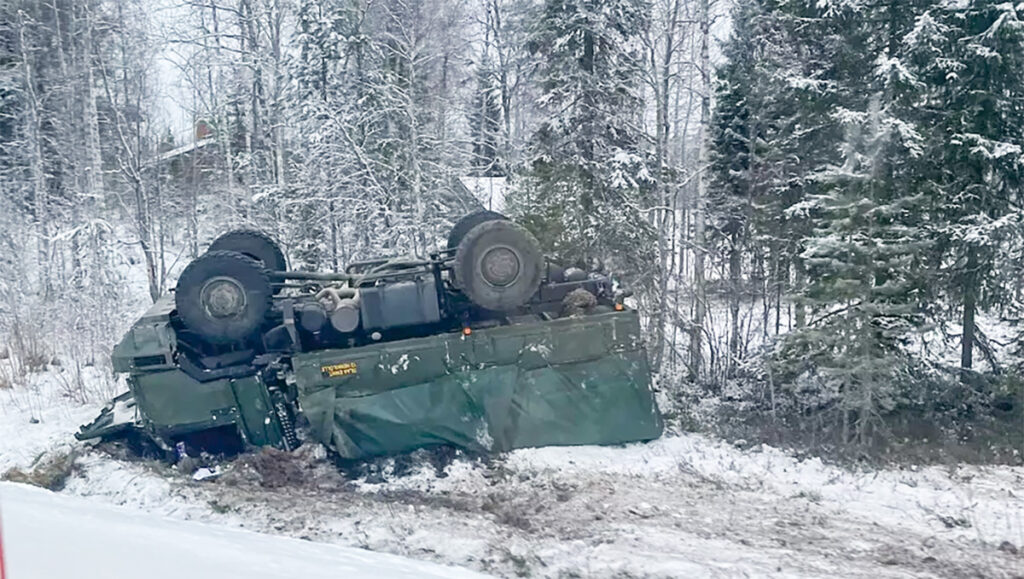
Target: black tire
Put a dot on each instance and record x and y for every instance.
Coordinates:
(468, 222)
(223, 296)
(499, 265)
(254, 244)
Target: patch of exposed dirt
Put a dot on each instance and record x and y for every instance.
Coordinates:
(50, 471)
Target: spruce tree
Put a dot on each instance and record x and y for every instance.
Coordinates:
(972, 57)
(866, 276)
(752, 143)
(587, 179)
(485, 124)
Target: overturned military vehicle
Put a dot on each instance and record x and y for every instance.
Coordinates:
(484, 346)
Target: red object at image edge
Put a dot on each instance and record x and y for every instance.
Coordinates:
(2, 574)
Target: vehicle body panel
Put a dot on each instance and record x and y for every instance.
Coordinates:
(571, 381)
(535, 382)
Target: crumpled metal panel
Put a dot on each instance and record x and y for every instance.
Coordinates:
(565, 382)
(151, 336)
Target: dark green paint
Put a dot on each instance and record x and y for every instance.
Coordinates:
(563, 382)
(581, 380)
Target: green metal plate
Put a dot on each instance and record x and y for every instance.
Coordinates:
(564, 382)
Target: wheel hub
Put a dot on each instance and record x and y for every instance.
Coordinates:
(223, 297)
(500, 266)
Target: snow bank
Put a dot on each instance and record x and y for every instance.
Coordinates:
(38, 418)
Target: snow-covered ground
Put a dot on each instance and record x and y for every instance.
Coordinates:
(682, 506)
(47, 536)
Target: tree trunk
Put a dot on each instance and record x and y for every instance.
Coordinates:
(335, 265)
(699, 297)
(970, 291)
(35, 140)
(735, 291)
(662, 75)
(92, 121)
(799, 277)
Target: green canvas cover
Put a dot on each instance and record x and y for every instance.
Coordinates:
(572, 381)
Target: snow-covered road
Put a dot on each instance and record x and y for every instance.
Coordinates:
(48, 536)
(683, 506)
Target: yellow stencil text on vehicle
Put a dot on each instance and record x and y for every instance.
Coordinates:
(335, 370)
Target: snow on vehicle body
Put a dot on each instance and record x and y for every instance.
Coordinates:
(483, 346)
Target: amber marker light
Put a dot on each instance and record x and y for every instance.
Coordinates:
(467, 331)
(619, 307)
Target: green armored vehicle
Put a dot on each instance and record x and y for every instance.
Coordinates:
(484, 346)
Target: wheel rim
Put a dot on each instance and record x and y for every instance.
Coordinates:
(500, 266)
(223, 297)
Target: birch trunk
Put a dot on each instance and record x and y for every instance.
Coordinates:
(35, 146)
(700, 203)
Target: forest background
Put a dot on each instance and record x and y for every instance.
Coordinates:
(817, 202)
